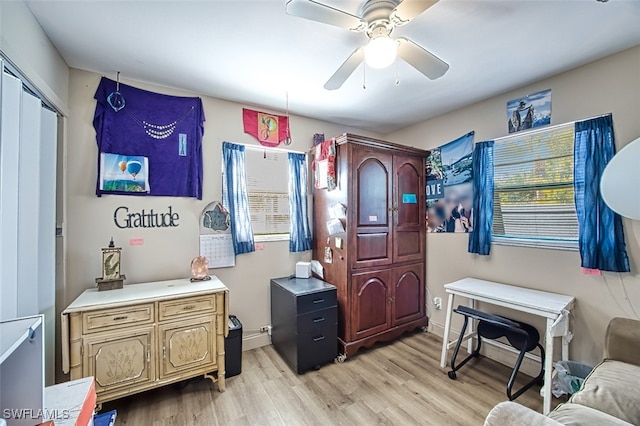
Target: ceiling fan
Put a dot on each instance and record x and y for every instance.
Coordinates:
(377, 20)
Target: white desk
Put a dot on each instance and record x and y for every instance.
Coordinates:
(554, 307)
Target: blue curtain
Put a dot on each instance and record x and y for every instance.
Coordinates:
(300, 234)
(480, 237)
(235, 198)
(601, 237)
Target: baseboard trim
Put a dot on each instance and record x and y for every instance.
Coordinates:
(254, 341)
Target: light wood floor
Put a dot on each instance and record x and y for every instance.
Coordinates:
(400, 383)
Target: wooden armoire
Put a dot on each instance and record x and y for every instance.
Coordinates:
(378, 262)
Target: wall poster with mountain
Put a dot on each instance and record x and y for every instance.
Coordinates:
(529, 111)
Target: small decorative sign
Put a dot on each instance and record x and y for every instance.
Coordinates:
(409, 199)
(145, 219)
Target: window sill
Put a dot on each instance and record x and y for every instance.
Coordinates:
(550, 244)
(270, 237)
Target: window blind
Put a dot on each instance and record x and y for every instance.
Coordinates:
(534, 196)
(268, 191)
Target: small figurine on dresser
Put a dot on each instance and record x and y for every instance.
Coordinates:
(111, 278)
(199, 269)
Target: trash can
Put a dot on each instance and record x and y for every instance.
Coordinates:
(233, 348)
(568, 377)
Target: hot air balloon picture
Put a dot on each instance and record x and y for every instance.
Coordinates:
(124, 173)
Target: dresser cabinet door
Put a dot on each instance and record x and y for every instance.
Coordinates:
(371, 300)
(121, 359)
(187, 346)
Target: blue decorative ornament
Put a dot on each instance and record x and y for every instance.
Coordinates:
(116, 100)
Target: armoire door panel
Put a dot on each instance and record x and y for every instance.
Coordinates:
(408, 245)
(409, 208)
(371, 198)
(371, 304)
(372, 247)
(373, 189)
(408, 295)
(408, 178)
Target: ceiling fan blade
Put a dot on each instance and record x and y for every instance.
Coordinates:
(422, 60)
(409, 9)
(345, 70)
(315, 11)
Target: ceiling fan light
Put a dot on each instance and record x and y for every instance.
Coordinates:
(380, 52)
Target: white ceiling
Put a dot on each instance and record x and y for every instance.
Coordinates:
(253, 53)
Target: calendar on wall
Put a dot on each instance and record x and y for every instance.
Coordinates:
(216, 243)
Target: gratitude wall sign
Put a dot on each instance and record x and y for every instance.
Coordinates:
(145, 219)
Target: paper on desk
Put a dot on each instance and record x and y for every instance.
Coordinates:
(316, 268)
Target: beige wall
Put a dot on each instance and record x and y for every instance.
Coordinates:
(167, 252)
(608, 85)
(26, 45)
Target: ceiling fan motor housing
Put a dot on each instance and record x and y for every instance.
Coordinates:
(377, 12)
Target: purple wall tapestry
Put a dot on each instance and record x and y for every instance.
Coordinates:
(166, 130)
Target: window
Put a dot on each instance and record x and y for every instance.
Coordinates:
(534, 197)
(268, 191)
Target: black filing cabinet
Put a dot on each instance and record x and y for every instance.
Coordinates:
(304, 320)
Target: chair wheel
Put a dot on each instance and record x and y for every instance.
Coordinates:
(452, 375)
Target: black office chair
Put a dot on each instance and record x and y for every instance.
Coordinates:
(521, 336)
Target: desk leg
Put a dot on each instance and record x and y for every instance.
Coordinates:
(548, 366)
(447, 328)
(471, 303)
(565, 348)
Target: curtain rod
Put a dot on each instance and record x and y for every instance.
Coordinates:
(266, 148)
(547, 128)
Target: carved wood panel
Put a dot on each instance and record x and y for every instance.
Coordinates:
(187, 345)
(121, 359)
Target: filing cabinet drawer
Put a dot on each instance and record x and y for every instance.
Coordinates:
(192, 306)
(317, 321)
(316, 301)
(105, 319)
(317, 348)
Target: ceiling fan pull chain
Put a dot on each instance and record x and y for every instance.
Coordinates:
(397, 75)
(287, 139)
(364, 77)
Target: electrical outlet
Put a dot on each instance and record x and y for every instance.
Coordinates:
(265, 329)
(437, 301)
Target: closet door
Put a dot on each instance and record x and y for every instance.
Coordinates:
(11, 89)
(409, 209)
(28, 148)
(29, 207)
(372, 187)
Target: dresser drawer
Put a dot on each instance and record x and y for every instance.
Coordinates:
(316, 301)
(105, 319)
(318, 320)
(191, 306)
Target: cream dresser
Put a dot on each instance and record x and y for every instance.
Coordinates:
(146, 335)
